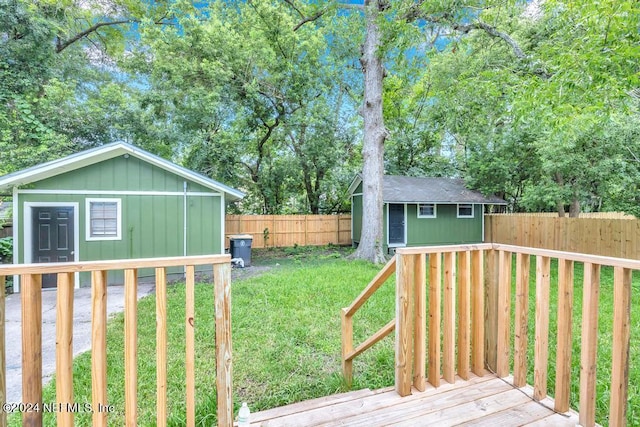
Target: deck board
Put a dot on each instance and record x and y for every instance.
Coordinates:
(480, 401)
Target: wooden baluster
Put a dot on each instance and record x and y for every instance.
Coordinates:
(541, 362)
(190, 360)
(161, 347)
(420, 323)
(99, 346)
(503, 349)
(435, 272)
(222, 289)
(491, 308)
(477, 300)
(347, 346)
(64, 348)
(31, 347)
(464, 310)
(620, 352)
(3, 352)
(565, 335)
(404, 323)
(589, 344)
(449, 319)
(131, 347)
(523, 267)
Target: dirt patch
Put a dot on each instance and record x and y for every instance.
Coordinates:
(245, 273)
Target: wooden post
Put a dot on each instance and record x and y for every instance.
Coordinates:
(161, 347)
(503, 349)
(131, 347)
(477, 300)
(491, 309)
(3, 352)
(449, 319)
(420, 322)
(523, 267)
(404, 323)
(464, 313)
(565, 317)
(224, 386)
(190, 346)
(99, 345)
(32, 347)
(64, 348)
(620, 352)
(541, 352)
(435, 292)
(589, 344)
(347, 347)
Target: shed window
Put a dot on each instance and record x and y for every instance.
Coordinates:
(465, 211)
(103, 219)
(427, 210)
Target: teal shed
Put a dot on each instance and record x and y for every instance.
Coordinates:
(116, 201)
(421, 211)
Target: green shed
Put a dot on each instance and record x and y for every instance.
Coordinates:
(424, 211)
(114, 202)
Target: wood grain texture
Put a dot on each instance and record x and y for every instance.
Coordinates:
(31, 346)
(404, 324)
(435, 296)
(224, 384)
(565, 335)
(541, 351)
(3, 352)
(373, 339)
(464, 314)
(347, 346)
(161, 347)
(477, 311)
(131, 347)
(190, 345)
(620, 352)
(64, 347)
(589, 344)
(503, 347)
(373, 286)
(491, 276)
(449, 319)
(420, 322)
(99, 345)
(523, 267)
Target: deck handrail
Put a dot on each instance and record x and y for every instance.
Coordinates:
(348, 352)
(31, 299)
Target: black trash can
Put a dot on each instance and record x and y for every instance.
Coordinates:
(240, 247)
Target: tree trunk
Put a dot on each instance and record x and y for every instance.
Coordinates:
(574, 208)
(371, 239)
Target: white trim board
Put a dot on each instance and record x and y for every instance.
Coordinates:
(121, 193)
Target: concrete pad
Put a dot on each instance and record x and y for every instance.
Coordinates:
(81, 330)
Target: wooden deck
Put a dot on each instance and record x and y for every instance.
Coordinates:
(481, 401)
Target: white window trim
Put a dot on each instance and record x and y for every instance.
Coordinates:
(466, 216)
(87, 219)
(435, 210)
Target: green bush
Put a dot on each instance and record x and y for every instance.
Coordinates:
(6, 248)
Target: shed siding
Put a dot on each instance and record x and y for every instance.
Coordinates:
(356, 217)
(119, 174)
(445, 229)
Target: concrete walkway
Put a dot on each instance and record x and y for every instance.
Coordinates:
(81, 331)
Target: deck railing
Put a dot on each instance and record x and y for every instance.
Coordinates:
(31, 299)
(470, 314)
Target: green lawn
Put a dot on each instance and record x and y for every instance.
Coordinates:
(286, 340)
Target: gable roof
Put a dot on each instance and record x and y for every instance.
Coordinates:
(106, 152)
(409, 189)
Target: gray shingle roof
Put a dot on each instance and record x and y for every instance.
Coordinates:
(408, 189)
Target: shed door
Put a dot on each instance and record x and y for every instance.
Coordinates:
(52, 237)
(396, 224)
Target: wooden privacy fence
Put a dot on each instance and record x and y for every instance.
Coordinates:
(455, 307)
(291, 230)
(615, 237)
(31, 287)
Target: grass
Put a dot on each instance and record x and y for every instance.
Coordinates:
(286, 339)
